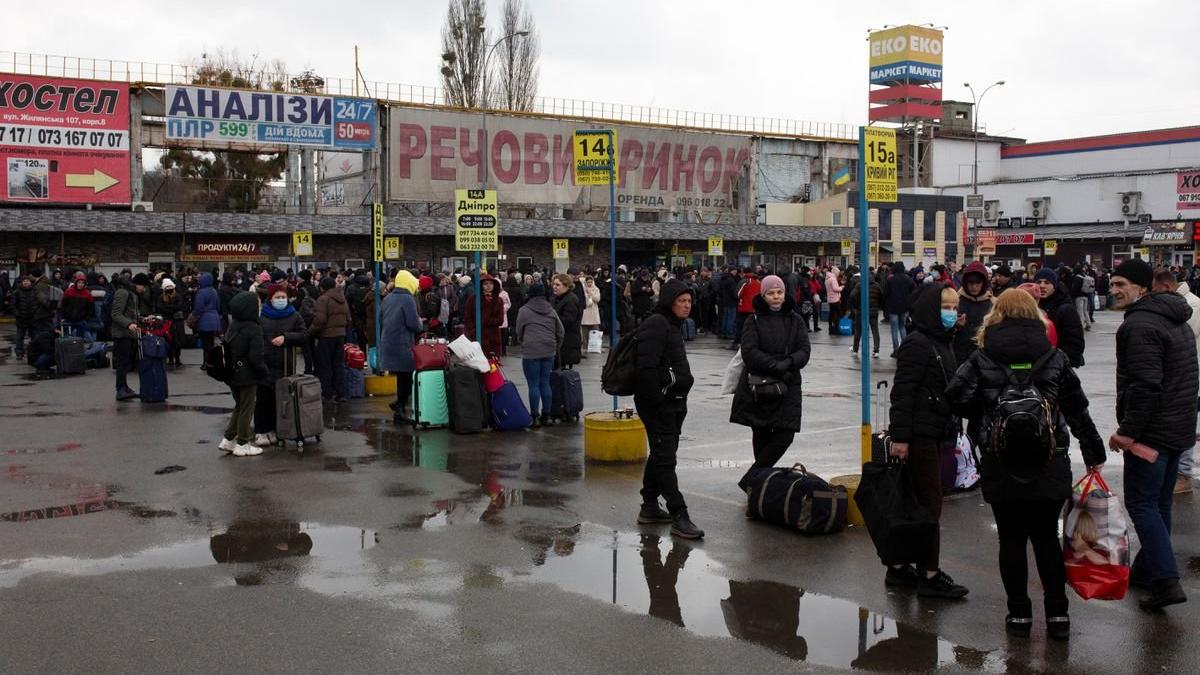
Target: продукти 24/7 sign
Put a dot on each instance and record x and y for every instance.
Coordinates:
(214, 116)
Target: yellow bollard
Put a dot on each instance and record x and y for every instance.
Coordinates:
(608, 438)
(850, 482)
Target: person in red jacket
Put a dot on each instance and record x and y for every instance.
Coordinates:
(746, 294)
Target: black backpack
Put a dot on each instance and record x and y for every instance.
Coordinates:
(214, 362)
(1022, 426)
(619, 377)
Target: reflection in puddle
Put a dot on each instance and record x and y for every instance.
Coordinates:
(204, 409)
(677, 583)
(254, 549)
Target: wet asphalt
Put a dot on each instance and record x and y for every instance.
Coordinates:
(128, 543)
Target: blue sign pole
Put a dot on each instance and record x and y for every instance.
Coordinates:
(378, 280)
(864, 296)
(612, 249)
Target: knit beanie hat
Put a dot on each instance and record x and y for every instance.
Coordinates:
(770, 282)
(264, 277)
(327, 283)
(1047, 274)
(1137, 271)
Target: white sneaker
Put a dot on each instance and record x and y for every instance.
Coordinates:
(246, 450)
(875, 355)
(227, 445)
(262, 440)
(273, 438)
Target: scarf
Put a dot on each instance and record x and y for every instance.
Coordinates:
(272, 313)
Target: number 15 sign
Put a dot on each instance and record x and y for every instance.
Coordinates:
(880, 164)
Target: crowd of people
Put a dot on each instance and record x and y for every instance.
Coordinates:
(958, 335)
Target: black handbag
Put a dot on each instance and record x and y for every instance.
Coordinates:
(900, 527)
(765, 387)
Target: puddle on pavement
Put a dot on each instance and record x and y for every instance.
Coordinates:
(83, 507)
(647, 574)
(61, 447)
(204, 409)
(483, 506)
(401, 490)
(254, 551)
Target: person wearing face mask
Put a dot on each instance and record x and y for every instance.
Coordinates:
(775, 346)
(921, 420)
(283, 331)
(76, 307)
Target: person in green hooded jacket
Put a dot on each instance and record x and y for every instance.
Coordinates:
(248, 369)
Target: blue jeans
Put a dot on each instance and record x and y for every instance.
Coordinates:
(728, 317)
(898, 331)
(537, 376)
(1149, 489)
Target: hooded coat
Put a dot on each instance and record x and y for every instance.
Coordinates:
(244, 343)
(76, 304)
(833, 289)
(399, 325)
(976, 387)
(663, 369)
(774, 343)
(207, 306)
(924, 365)
(539, 330)
(1156, 373)
(974, 308)
(331, 315)
(897, 290)
(492, 313)
(571, 314)
(124, 309)
(1060, 308)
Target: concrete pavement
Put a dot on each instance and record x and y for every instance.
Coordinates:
(381, 549)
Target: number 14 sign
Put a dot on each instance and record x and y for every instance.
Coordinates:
(592, 156)
(880, 164)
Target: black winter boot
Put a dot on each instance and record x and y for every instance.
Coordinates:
(682, 526)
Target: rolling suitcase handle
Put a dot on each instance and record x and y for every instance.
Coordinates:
(882, 412)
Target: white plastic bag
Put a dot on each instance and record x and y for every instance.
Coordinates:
(966, 475)
(595, 342)
(733, 374)
(470, 353)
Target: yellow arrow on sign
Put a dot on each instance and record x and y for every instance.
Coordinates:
(97, 180)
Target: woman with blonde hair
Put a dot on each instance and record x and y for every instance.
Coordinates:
(1027, 395)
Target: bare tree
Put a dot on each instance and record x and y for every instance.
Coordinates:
(464, 40)
(517, 80)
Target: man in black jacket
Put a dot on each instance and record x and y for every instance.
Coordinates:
(24, 303)
(664, 380)
(727, 298)
(897, 291)
(1057, 304)
(1156, 413)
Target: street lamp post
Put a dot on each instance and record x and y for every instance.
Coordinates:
(485, 157)
(975, 102)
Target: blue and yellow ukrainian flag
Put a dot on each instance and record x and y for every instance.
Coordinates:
(841, 176)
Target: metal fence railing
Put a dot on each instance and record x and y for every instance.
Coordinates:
(169, 73)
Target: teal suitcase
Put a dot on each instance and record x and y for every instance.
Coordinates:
(429, 399)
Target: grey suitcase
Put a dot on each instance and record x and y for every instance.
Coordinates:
(299, 413)
(69, 356)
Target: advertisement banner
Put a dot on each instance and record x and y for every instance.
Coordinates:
(986, 240)
(213, 117)
(376, 231)
(906, 54)
(532, 160)
(1170, 232)
(1188, 190)
(880, 165)
(63, 141)
(202, 249)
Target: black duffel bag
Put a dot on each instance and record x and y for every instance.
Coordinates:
(900, 527)
(797, 499)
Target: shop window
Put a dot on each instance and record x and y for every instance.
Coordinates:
(953, 222)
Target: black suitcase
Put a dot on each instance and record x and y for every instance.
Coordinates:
(899, 526)
(69, 358)
(466, 399)
(566, 394)
(797, 499)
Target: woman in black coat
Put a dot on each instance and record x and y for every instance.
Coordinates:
(570, 312)
(775, 345)
(283, 331)
(921, 421)
(1026, 485)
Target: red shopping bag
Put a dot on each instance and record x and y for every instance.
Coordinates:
(1096, 541)
(429, 354)
(494, 378)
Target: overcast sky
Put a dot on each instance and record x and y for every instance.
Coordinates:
(1072, 68)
